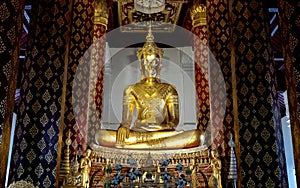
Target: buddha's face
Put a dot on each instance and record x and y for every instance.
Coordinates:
(151, 66)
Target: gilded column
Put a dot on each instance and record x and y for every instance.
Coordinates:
(35, 149)
(289, 15)
(10, 18)
(198, 16)
(262, 158)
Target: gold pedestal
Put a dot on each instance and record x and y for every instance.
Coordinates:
(115, 155)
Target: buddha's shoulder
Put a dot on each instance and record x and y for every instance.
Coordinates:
(169, 87)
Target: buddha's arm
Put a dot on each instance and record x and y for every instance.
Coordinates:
(127, 114)
(173, 109)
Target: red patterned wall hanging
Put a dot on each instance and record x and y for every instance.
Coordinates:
(202, 79)
(218, 23)
(77, 86)
(96, 83)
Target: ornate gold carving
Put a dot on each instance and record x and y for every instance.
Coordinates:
(79, 178)
(113, 154)
(132, 20)
(198, 14)
(21, 184)
(101, 12)
(73, 179)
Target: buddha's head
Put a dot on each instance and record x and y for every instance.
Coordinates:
(150, 58)
(88, 153)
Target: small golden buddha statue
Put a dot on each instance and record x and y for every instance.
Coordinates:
(85, 168)
(157, 110)
(215, 164)
(77, 176)
(74, 178)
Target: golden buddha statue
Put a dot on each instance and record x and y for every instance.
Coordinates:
(157, 110)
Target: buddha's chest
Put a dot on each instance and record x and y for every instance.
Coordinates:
(152, 98)
(148, 92)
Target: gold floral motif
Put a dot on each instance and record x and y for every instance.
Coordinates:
(132, 20)
(2, 46)
(11, 34)
(4, 13)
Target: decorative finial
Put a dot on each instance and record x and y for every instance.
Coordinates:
(231, 142)
(198, 14)
(149, 161)
(65, 165)
(232, 175)
(150, 37)
(69, 141)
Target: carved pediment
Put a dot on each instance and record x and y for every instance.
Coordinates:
(131, 20)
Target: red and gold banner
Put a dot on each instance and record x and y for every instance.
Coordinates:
(218, 23)
(198, 15)
(78, 70)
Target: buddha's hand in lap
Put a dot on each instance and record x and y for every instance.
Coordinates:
(122, 134)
